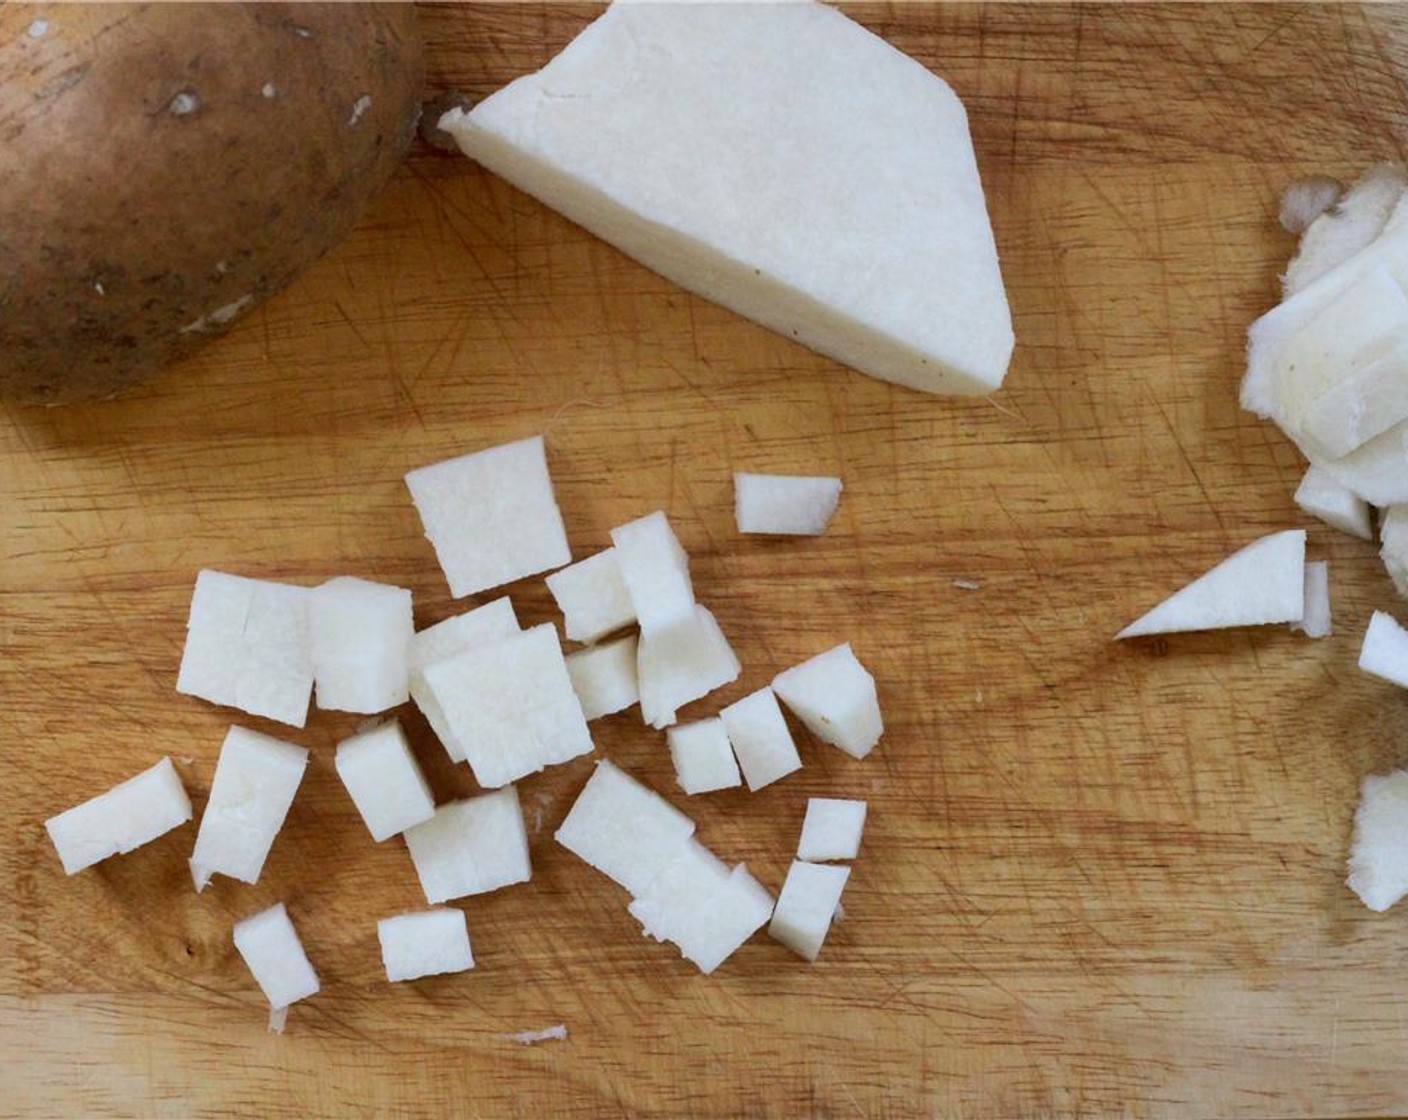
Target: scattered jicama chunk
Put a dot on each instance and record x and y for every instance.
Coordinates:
(681, 662)
(1385, 649)
(1342, 230)
(834, 696)
(1393, 545)
(1378, 854)
(471, 847)
(361, 638)
(132, 813)
(655, 569)
(255, 780)
(760, 739)
(1261, 583)
(1321, 496)
(491, 516)
(247, 647)
(385, 781)
(604, 677)
(1316, 623)
(592, 597)
(832, 829)
(808, 902)
(426, 943)
(793, 505)
(270, 947)
(703, 756)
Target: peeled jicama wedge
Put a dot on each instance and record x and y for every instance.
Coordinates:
(1321, 496)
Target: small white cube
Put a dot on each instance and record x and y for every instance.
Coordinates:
(1316, 623)
(760, 739)
(132, 813)
(509, 707)
(703, 757)
(248, 647)
(808, 902)
(655, 570)
(471, 847)
(255, 780)
(426, 943)
(385, 781)
(682, 662)
(604, 677)
(835, 697)
(361, 637)
(491, 516)
(832, 829)
(592, 597)
(270, 947)
(793, 505)
(1321, 496)
(624, 829)
(1385, 649)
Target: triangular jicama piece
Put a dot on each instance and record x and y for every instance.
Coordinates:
(1384, 653)
(1262, 583)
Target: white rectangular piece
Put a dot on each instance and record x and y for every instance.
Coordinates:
(270, 947)
(1338, 507)
(255, 780)
(592, 597)
(703, 756)
(1316, 623)
(491, 516)
(385, 780)
(834, 696)
(1378, 854)
(808, 902)
(604, 677)
(788, 504)
(1393, 545)
(682, 662)
(1385, 649)
(426, 943)
(247, 647)
(832, 829)
(655, 569)
(130, 814)
(760, 739)
(779, 159)
(471, 847)
(361, 637)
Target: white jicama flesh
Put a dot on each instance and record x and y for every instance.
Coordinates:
(791, 505)
(491, 516)
(1317, 622)
(255, 780)
(680, 663)
(604, 677)
(471, 847)
(832, 829)
(703, 756)
(1351, 224)
(385, 780)
(132, 813)
(808, 902)
(655, 571)
(1257, 585)
(247, 647)
(760, 739)
(835, 697)
(274, 955)
(1393, 546)
(1384, 653)
(361, 639)
(1378, 854)
(713, 142)
(592, 597)
(1337, 506)
(425, 943)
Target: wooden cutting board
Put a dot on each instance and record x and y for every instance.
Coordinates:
(1096, 879)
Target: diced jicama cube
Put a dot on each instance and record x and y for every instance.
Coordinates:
(1316, 623)
(704, 140)
(491, 516)
(271, 949)
(604, 677)
(1321, 496)
(384, 779)
(681, 662)
(471, 847)
(426, 943)
(795, 505)
(655, 570)
(247, 647)
(808, 902)
(132, 813)
(592, 597)
(361, 636)
(1378, 854)
(1385, 649)
(508, 706)
(707, 910)
(703, 757)
(1259, 584)
(1393, 545)
(760, 739)
(623, 829)
(255, 780)
(834, 696)
(832, 829)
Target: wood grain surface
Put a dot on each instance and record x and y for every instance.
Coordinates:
(1097, 879)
